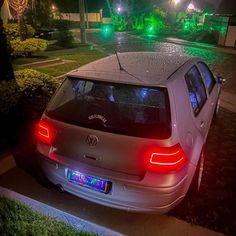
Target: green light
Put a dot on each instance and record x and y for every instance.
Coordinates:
(120, 28)
(150, 30)
(155, 23)
(106, 30)
(139, 27)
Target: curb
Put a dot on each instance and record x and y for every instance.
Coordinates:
(7, 162)
(73, 221)
(39, 63)
(47, 63)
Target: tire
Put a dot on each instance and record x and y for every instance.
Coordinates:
(197, 178)
(217, 108)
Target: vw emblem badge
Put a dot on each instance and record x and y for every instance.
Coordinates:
(92, 140)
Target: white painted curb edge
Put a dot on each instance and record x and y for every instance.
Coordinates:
(73, 221)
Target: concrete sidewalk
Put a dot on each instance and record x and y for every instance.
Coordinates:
(73, 221)
(161, 224)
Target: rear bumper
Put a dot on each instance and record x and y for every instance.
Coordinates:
(123, 195)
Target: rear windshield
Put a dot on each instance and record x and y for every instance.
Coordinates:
(116, 108)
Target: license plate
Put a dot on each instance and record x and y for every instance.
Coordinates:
(95, 183)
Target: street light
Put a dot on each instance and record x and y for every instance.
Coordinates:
(176, 2)
(119, 9)
(191, 6)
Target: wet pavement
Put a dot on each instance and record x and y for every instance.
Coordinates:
(214, 207)
(221, 63)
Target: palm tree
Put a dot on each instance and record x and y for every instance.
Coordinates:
(19, 7)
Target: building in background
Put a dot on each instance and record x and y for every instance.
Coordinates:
(93, 19)
(227, 11)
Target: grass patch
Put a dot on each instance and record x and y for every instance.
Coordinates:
(79, 56)
(17, 219)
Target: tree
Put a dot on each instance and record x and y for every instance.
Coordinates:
(19, 7)
(6, 70)
(39, 13)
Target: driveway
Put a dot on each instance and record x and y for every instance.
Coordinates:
(213, 208)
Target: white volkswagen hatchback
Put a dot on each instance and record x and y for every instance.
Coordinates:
(129, 130)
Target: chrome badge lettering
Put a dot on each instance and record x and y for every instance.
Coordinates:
(96, 116)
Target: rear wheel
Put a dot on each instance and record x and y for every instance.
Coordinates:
(217, 108)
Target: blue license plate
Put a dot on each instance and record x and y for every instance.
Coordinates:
(95, 183)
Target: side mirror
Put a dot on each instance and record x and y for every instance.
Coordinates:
(220, 80)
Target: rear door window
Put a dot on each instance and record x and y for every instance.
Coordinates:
(196, 89)
(117, 108)
(207, 76)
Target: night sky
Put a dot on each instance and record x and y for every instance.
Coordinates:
(220, 6)
(73, 5)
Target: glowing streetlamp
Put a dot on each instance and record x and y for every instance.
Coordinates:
(176, 2)
(53, 7)
(119, 9)
(191, 7)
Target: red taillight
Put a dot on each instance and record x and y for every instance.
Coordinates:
(167, 159)
(44, 132)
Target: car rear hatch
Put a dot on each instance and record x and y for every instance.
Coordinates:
(108, 125)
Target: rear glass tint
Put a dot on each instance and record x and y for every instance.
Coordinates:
(116, 108)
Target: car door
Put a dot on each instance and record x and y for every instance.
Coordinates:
(198, 100)
(210, 85)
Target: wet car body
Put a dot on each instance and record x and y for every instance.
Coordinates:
(102, 152)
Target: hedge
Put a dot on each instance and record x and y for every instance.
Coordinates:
(12, 31)
(28, 94)
(27, 47)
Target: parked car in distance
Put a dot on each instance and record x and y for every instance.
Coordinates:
(129, 131)
(44, 33)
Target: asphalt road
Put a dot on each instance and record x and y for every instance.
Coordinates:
(219, 61)
(215, 206)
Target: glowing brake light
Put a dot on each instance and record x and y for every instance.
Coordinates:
(167, 159)
(44, 132)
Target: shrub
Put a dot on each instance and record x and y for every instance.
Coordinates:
(30, 31)
(64, 38)
(28, 94)
(35, 89)
(203, 36)
(9, 91)
(12, 31)
(27, 47)
(61, 24)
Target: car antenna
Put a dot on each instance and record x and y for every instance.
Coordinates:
(121, 68)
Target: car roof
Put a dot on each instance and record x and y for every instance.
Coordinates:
(146, 68)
